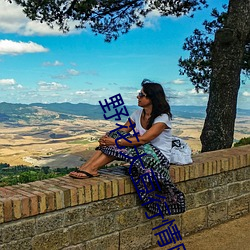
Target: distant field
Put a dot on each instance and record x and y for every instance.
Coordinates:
(83, 142)
(70, 140)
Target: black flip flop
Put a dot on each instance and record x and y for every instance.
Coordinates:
(88, 175)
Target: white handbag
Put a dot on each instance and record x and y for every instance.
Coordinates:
(180, 152)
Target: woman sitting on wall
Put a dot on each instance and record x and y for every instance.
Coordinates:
(150, 171)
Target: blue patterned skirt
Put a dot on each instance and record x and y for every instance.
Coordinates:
(150, 176)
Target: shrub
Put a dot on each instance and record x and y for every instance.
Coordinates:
(21, 174)
(242, 142)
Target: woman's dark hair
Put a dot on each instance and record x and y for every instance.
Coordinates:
(155, 93)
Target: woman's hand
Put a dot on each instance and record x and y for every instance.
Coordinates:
(101, 140)
(106, 141)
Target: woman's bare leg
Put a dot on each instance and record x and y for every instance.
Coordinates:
(98, 160)
(92, 159)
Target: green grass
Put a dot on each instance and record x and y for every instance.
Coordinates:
(23, 174)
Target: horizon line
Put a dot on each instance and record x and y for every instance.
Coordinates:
(45, 103)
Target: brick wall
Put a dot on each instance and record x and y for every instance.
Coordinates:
(105, 213)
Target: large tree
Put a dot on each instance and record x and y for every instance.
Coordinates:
(227, 56)
(198, 67)
(108, 17)
(113, 17)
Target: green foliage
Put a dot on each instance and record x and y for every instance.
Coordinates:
(109, 17)
(198, 67)
(23, 174)
(242, 142)
(3, 165)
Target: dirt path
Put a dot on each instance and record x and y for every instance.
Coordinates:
(233, 235)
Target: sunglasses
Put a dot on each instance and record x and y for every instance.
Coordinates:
(140, 94)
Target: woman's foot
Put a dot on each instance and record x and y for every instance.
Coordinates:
(83, 174)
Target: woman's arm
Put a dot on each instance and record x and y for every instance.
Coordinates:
(104, 141)
(151, 134)
(127, 124)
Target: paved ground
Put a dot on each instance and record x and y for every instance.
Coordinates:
(233, 235)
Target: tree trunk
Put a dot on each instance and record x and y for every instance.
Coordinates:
(227, 56)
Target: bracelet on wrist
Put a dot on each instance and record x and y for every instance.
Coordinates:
(119, 142)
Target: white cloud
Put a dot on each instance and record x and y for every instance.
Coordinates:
(187, 97)
(55, 63)
(152, 20)
(51, 86)
(178, 81)
(246, 93)
(13, 20)
(40, 29)
(194, 92)
(15, 48)
(70, 72)
(153, 14)
(92, 95)
(11, 17)
(10, 84)
(80, 92)
(73, 72)
(7, 82)
(180, 93)
(19, 86)
(100, 89)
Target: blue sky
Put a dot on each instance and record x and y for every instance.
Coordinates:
(38, 64)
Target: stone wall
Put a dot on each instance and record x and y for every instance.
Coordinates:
(105, 213)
